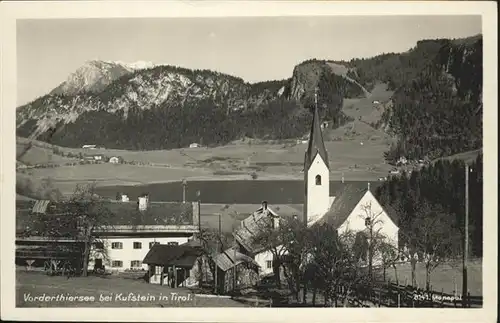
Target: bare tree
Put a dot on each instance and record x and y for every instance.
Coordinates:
(93, 218)
(212, 243)
(436, 237)
(390, 258)
(333, 261)
(270, 238)
(375, 238)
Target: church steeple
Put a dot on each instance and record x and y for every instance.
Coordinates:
(316, 172)
(316, 144)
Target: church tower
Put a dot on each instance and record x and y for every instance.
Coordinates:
(316, 172)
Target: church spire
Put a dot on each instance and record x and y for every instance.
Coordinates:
(316, 144)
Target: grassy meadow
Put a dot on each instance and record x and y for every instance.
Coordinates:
(354, 159)
(447, 277)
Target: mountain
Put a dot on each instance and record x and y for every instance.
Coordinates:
(119, 105)
(166, 107)
(95, 75)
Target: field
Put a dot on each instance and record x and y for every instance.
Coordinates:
(39, 284)
(355, 159)
(447, 277)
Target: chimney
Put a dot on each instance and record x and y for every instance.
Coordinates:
(264, 206)
(342, 178)
(368, 185)
(143, 202)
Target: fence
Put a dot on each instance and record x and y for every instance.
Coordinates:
(393, 295)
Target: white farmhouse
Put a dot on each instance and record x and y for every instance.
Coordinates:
(137, 226)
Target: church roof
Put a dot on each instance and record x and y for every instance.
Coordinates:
(345, 201)
(343, 205)
(316, 144)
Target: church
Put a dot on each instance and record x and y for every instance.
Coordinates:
(352, 208)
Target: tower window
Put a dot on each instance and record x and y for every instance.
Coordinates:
(318, 180)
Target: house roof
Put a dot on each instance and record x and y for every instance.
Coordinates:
(40, 206)
(249, 228)
(316, 144)
(233, 214)
(120, 213)
(231, 258)
(157, 213)
(170, 255)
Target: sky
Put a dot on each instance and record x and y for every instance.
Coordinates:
(253, 48)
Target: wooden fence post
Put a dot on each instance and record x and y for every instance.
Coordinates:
(468, 299)
(442, 297)
(399, 299)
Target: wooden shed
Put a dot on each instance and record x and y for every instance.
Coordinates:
(171, 264)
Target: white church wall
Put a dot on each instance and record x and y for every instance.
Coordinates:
(369, 206)
(318, 196)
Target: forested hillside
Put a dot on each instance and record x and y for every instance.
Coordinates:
(441, 187)
(437, 104)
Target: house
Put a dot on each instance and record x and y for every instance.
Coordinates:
(235, 270)
(171, 265)
(89, 146)
(115, 160)
(194, 145)
(34, 246)
(251, 227)
(137, 226)
(131, 230)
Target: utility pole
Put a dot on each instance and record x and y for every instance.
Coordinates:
(198, 194)
(184, 185)
(466, 239)
(216, 284)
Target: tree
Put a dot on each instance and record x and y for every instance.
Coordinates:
(93, 217)
(374, 238)
(271, 238)
(435, 237)
(390, 257)
(47, 191)
(212, 243)
(332, 261)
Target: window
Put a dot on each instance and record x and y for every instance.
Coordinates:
(318, 180)
(135, 264)
(368, 221)
(116, 245)
(117, 263)
(137, 245)
(173, 243)
(151, 244)
(269, 264)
